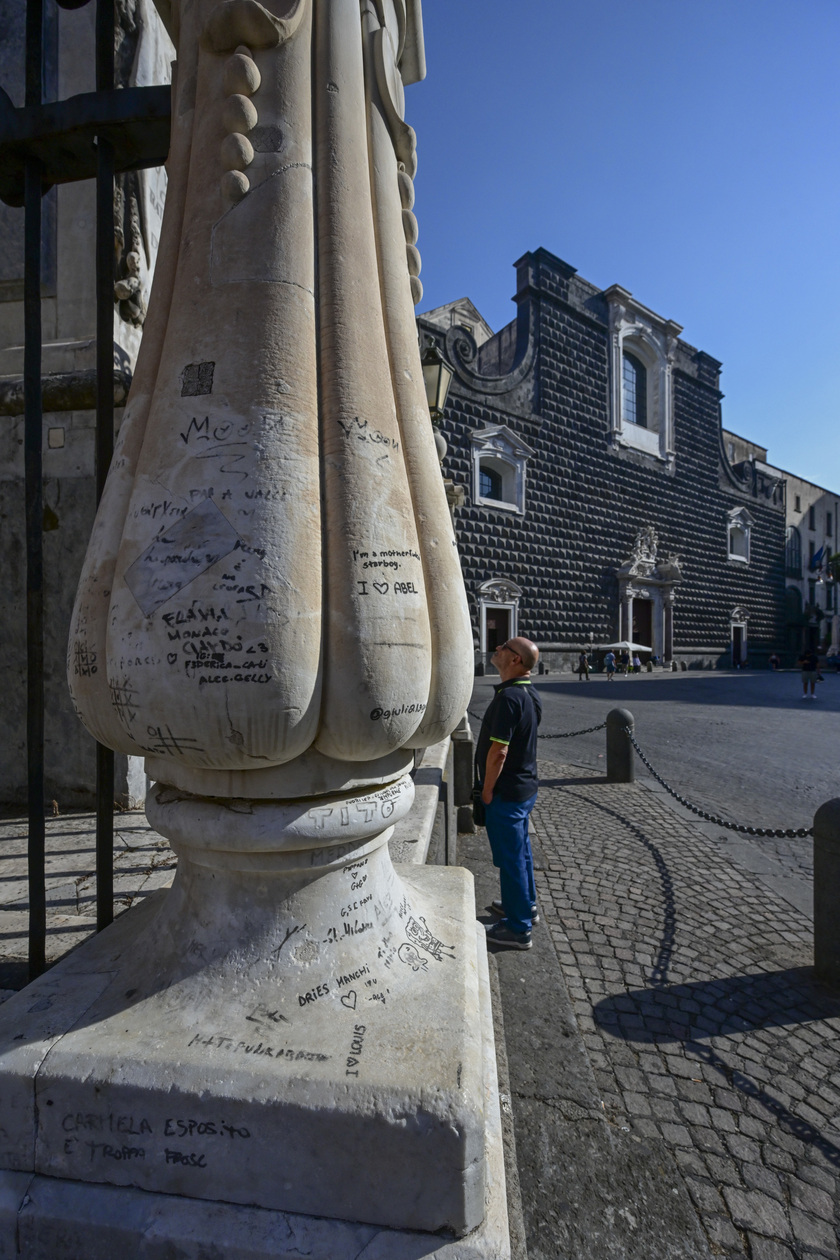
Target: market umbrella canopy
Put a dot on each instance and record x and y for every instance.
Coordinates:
(625, 646)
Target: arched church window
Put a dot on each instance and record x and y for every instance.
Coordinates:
(489, 482)
(793, 552)
(499, 459)
(739, 528)
(634, 390)
(793, 606)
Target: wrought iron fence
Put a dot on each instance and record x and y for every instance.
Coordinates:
(43, 143)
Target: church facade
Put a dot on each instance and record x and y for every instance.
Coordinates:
(599, 501)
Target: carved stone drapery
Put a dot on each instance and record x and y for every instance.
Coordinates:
(141, 57)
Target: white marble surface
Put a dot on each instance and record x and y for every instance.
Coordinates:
(62, 1219)
(273, 567)
(339, 1037)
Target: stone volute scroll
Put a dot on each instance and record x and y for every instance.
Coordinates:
(272, 612)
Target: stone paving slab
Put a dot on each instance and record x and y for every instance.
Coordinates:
(590, 1189)
(143, 862)
(786, 866)
(691, 986)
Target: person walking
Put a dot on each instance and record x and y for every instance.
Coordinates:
(637, 664)
(809, 665)
(624, 661)
(506, 762)
(583, 667)
(609, 665)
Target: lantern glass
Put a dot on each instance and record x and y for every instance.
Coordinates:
(437, 376)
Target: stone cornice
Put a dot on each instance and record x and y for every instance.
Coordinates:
(615, 294)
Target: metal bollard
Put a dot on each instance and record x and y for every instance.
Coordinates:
(827, 892)
(620, 758)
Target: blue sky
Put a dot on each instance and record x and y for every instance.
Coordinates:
(685, 149)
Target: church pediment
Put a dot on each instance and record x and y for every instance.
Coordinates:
(498, 439)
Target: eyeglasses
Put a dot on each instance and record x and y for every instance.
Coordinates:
(505, 647)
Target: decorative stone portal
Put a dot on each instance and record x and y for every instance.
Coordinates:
(646, 590)
(498, 607)
(738, 636)
(272, 613)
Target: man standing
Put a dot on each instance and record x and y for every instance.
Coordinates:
(506, 759)
(809, 665)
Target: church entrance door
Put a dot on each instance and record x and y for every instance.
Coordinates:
(737, 646)
(498, 628)
(643, 622)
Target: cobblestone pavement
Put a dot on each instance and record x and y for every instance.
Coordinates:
(691, 984)
(143, 861)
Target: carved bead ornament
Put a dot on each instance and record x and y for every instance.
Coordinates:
(241, 80)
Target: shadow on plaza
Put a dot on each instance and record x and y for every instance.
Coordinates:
(704, 1009)
(581, 780)
(692, 1014)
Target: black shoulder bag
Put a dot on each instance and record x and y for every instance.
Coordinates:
(477, 802)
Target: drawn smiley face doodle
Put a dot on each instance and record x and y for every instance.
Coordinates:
(412, 957)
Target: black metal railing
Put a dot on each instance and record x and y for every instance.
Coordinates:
(99, 134)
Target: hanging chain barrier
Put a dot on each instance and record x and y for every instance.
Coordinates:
(568, 734)
(779, 833)
(560, 734)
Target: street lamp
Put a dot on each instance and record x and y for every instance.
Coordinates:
(437, 377)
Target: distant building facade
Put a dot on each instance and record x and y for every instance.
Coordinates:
(600, 501)
(812, 538)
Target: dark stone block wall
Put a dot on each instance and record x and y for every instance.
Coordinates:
(586, 499)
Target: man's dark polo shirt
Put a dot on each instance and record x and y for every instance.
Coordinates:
(512, 718)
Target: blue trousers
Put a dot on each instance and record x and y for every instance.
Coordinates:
(507, 831)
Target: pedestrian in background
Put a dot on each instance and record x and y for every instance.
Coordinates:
(808, 664)
(583, 667)
(506, 762)
(609, 665)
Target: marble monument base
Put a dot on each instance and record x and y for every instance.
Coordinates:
(48, 1218)
(301, 1043)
